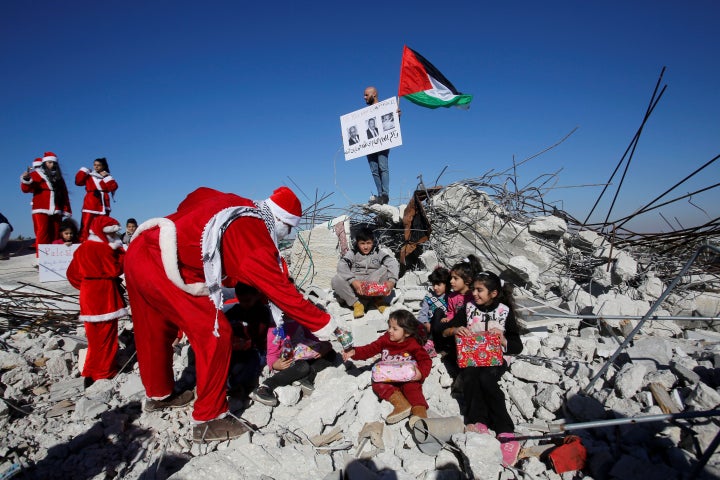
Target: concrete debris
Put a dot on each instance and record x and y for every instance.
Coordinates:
(57, 428)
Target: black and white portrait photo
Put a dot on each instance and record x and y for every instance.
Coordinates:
(353, 136)
(372, 130)
(388, 121)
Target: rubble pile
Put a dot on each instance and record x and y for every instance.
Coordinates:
(671, 367)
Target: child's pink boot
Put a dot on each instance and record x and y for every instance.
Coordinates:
(509, 447)
(477, 428)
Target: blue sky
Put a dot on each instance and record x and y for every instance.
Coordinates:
(243, 98)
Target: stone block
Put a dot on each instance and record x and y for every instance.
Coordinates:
(629, 380)
(525, 269)
(482, 452)
(533, 373)
(57, 367)
(549, 226)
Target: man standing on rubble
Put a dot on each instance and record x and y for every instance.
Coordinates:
(378, 161)
(175, 267)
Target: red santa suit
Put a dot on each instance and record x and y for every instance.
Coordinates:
(97, 196)
(173, 270)
(95, 270)
(50, 203)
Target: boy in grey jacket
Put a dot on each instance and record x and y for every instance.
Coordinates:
(365, 262)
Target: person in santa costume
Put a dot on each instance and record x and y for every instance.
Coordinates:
(50, 202)
(175, 268)
(99, 184)
(95, 270)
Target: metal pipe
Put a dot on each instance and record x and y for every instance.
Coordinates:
(621, 317)
(657, 303)
(559, 427)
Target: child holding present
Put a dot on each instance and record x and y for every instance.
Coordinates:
(399, 344)
(461, 277)
(299, 362)
(366, 262)
(492, 311)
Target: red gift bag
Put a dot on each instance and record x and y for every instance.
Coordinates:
(569, 456)
(479, 350)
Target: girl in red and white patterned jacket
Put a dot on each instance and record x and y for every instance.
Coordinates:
(50, 203)
(99, 184)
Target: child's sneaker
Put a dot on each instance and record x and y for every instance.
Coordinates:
(509, 448)
(264, 395)
(306, 386)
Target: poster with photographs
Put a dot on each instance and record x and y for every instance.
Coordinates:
(371, 129)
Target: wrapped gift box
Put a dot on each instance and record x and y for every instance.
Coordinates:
(394, 371)
(309, 350)
(479, 350)
(372, 289)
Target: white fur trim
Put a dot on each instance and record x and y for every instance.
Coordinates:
(50, 158)
(283, 215)
(168, 251)
(111, 229)
(26, 182)
(198, 422)
(85, 169)
(104, 317)
(116, 243)
(326, 332)
(107, 178)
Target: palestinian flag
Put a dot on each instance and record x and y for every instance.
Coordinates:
(423, 84)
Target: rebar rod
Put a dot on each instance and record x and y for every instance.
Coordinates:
(619, 317)
(655, 305)
(632, 142)
(560, 427)
(699, 169)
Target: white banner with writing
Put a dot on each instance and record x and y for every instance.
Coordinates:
(53, 261)
(371, 129)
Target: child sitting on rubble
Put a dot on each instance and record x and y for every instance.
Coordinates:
(491, 311)
(436, 298)
(294, 356)
(367, 263)
(399, 348)
(250, 319)
(461, 277)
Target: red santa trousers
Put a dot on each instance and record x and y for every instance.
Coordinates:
(159, 310)
(85, 225)
(412, 391)
(101, 358)
(47, 228)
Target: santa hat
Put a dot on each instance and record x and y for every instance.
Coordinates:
(285, 205)
(49, 157)
(37, 162)
(102, 226)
